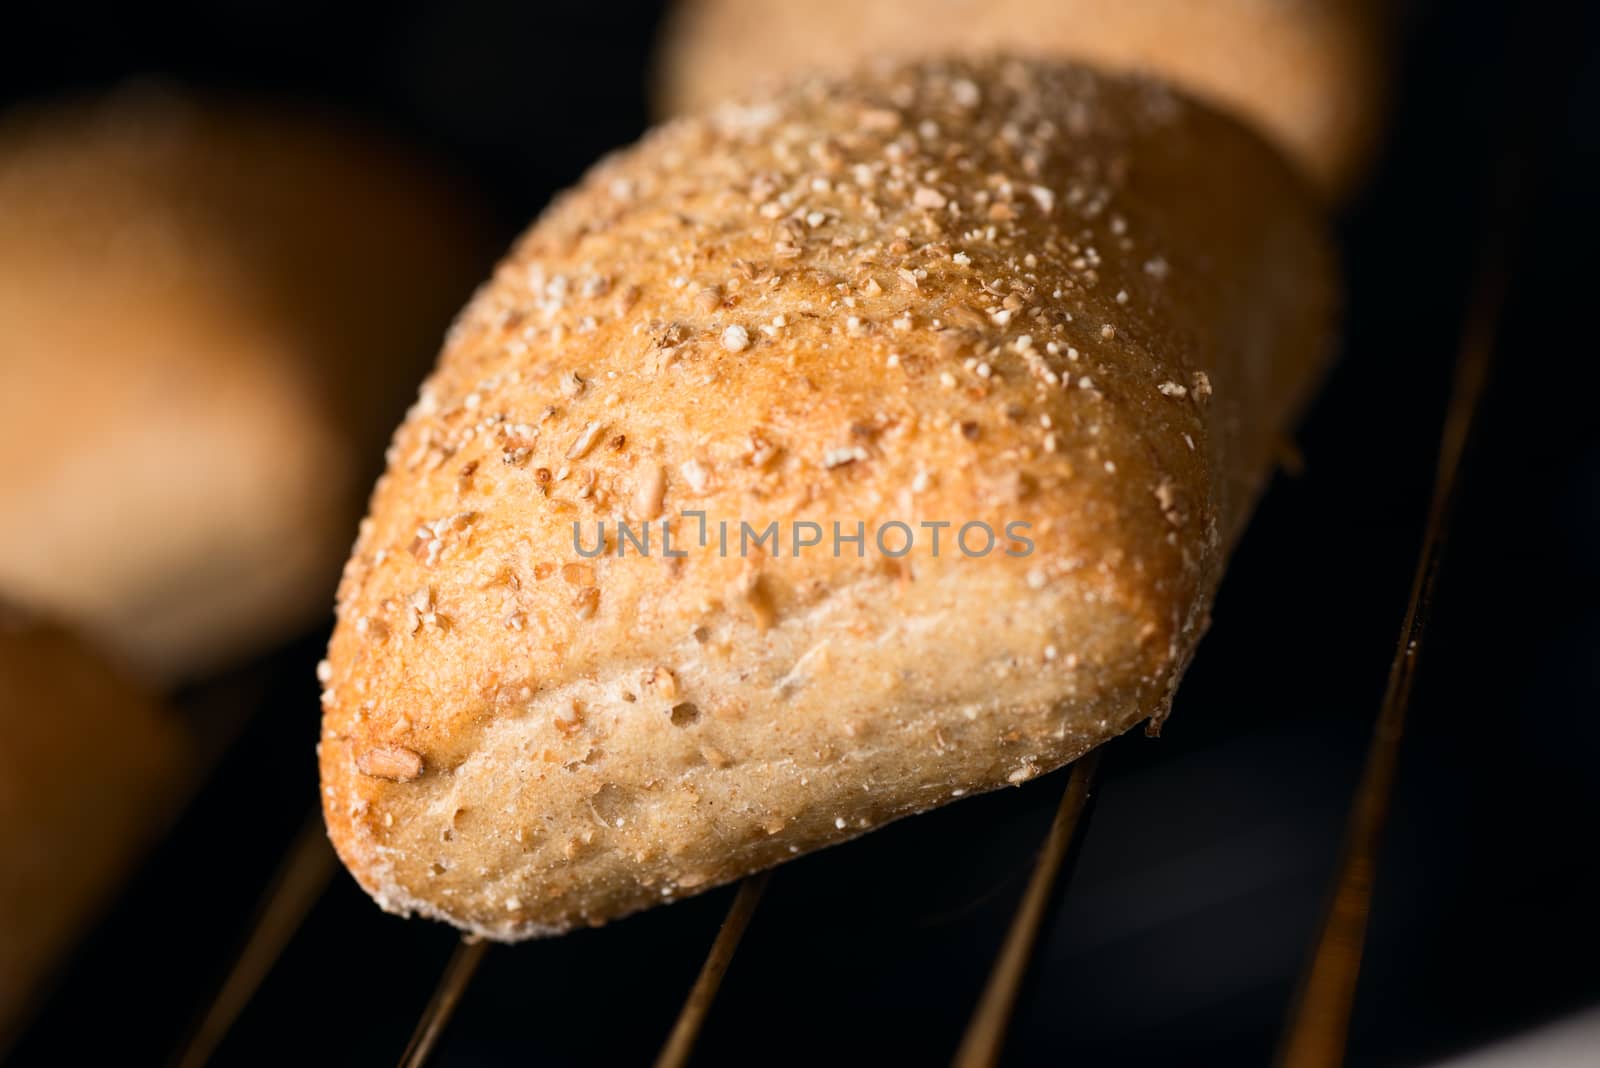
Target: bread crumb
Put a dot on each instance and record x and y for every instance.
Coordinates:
(665, 683)
(568, 718)
(696, 474)
(585, 440)
(650, 492)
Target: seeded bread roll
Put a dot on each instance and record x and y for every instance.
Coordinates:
(90, 766)
(1309, 74)
(210, 316)
(998, 292)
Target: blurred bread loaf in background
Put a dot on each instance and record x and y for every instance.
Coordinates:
(211, 312)
(1306, 73)
(91, 767)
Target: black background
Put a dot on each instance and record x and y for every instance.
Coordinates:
(1192, 903)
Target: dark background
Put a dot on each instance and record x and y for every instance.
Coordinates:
(1206, 861)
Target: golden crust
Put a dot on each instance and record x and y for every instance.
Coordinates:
(90, 767)
(998, 291)
(210, 314)
(1308, 73)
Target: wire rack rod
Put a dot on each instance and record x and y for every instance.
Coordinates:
(986, 1031)
(453, 982)
(680, 1044)
(1318, 1024)
(1319, 1021)
(306, 869)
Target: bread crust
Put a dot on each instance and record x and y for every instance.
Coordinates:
(1308, 74)
(990, 291)
(211, 312)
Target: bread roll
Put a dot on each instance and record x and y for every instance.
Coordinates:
(90, 766)
(210, 315)
(1307, 73)
(997, 292)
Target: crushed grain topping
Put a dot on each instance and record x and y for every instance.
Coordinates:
(395, 763)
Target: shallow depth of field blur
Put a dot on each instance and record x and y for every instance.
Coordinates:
(395, 154)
